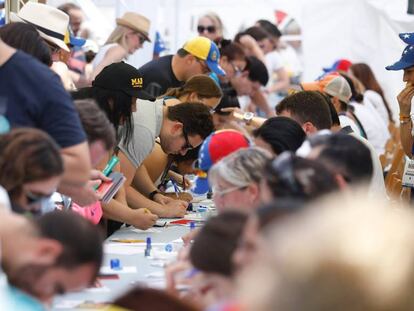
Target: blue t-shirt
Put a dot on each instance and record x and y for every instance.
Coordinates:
(34, 97)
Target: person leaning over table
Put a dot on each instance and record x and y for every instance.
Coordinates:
(405, 97)
(180, 128)
(199, 88)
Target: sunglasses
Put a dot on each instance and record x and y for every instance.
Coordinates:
(187, 145)
(141, 39)
(210, 29)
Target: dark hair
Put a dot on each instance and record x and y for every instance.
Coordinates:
(139, 298)
(281, 133)
(182, 53)
(277, 209)
(332, 110)
(227, 101)
(364, 74)
(257, 33)
(95, 123)
(191, 154)
(290, 176)
(270, 28)
(195, 117)
(203, 85)
(345, 155)
(117, 106)
(25, 37)
(213, 247)
(27, 155)
(66, 7)
(257, 70)
(356, 96)
(80, 239)
(307, 106)
(232, 50)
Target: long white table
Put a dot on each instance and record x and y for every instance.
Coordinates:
(149, 271)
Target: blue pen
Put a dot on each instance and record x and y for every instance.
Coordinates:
(175, 187)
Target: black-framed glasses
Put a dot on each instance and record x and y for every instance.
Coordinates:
(187, 145)
(53, 48)
(210, 29)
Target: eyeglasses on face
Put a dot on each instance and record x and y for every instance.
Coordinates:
(210, 29)
(222, 192)
(187, 145)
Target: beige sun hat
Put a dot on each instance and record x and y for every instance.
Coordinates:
(136, 22)
(50, 22)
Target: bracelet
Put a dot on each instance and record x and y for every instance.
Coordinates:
(404, 117)
(152, 195)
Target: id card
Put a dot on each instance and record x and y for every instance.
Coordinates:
(408, 176)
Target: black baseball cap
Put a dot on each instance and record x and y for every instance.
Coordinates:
(122, 77)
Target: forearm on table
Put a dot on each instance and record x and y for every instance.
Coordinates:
(142, 181)
(115, 210)
(137, 200)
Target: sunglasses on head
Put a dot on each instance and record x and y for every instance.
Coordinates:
(210, 29)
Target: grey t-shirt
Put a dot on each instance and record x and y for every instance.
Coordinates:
(147, 126)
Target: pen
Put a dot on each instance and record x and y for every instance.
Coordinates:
(109, 167)
(175, 187)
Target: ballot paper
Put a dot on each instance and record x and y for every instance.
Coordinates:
(122, 249)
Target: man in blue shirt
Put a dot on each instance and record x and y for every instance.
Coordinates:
(34, 97)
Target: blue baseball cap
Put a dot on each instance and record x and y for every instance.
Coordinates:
(406, 61)
(205, 49)
(407, 37)
(72, 40)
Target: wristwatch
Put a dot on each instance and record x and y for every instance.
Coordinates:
(152, 195)
(248, 117)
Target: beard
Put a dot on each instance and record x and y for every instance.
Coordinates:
(26, 277)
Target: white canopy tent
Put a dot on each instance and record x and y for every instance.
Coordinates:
(359, 30)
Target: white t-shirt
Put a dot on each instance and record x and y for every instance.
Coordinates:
(147, 126)
(375, 100)
(347, 121)
(377, 132)
(101, 54)
(273, 64)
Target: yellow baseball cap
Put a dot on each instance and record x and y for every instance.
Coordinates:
(205, 49)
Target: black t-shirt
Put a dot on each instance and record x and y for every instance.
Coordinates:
(34, 97)
(158, 76)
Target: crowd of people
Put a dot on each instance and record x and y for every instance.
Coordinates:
(296, 169)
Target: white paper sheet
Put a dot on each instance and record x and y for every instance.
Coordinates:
(108, 270)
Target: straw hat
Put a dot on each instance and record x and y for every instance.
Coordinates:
(136, 22)
(50, 22)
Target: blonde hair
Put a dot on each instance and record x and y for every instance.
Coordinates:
(118, 35)
(216, 21)
(241, 167)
